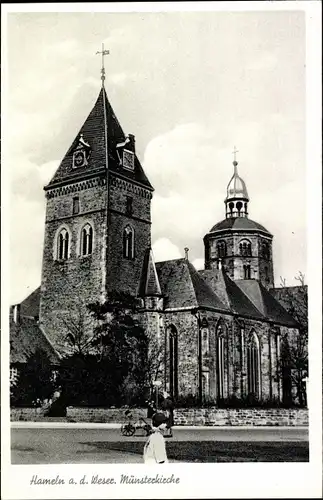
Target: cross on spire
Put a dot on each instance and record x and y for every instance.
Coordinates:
(234, 152)
(103, 52)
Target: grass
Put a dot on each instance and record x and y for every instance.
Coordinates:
(220, 451)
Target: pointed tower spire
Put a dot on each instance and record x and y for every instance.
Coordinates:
(236, 202)
(149, 285)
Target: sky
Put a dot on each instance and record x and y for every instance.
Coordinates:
(190, 86)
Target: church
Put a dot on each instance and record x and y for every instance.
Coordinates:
(221, 330)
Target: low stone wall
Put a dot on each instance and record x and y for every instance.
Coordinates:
(243, 416)
(182, 416)
(26, 414)
(203, 416)
(108, 415)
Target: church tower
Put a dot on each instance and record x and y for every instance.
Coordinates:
(238, 244)
(98, 221)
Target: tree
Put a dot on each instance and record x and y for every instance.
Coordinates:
(107, 367)
(295, 350)
(35, 381)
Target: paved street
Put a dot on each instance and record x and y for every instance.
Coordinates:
(77, 443)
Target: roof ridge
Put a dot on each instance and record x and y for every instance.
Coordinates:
(197, 277)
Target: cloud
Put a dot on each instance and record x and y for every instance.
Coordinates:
(164, 249)
(198, 264)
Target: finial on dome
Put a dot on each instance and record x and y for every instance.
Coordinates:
(235, 163)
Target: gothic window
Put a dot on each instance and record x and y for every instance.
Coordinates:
(86, 240)
(205, 384)
(220, 360)
(129, 207)
(76, 205)
(266, 274)
(265, 250)
(247, 272)
(253, 366)
(205, 341)
(128, 243)
(245, 248)
(173, 361)
(222, 249)
(63, 245)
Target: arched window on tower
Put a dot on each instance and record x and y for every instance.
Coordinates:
(253, 366)
(245, 248)
(173, 361)
(128, 243)
(221, 249)
(247, 272)
(86, 240)
(63, 245)
(266, 273)
(239, 207)
(265, 250)
(220, 362)
(231, 207)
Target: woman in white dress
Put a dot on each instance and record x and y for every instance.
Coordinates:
(155, 449)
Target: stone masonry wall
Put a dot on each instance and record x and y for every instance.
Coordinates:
(182, 416)
(124, 274)
(67, 285)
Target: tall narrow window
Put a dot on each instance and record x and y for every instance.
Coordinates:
(205, 384)
(205, 341)
(173, 361)
(76, 205)
(87, 240)
(245, 248)
(128, 243)
(222, 249)
(63, 243)
(247, 272)
(253, 364)
(129, 207)
(265, 250)
(220, 362)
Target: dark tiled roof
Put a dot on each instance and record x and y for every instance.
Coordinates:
(93, 131)
(25, 338)
(149, 283)
(183, 287)
(230, 293)
(30, 306)
(269, 307)
(239, 224)
(294, 300)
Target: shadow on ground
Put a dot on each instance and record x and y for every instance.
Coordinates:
(215, 451)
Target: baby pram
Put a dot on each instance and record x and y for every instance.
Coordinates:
(130, 427)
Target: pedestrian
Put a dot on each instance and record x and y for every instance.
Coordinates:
(168, 408)
(155, 449)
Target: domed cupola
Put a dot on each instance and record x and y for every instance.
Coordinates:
(236, 202)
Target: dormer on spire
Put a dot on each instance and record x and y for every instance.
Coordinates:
(236, 202)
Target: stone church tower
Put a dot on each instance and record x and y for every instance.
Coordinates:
(238, 244)
(98, 220)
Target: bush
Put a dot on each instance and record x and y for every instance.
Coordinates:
(35, 381)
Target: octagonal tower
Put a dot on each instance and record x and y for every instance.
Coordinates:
(240, 245)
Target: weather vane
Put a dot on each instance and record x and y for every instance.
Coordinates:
(103, 52)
